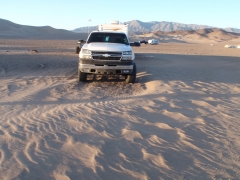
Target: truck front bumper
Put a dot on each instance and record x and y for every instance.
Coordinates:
(106, 67)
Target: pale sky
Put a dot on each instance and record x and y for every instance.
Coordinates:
(73, 14)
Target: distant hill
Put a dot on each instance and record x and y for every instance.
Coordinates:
(85, 29)
(9, 29)
(200, 34)
(139, 27)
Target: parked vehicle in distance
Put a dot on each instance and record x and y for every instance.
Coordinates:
(143, 41)
(135, 44)
(79, 47)
(153, 41)
(108, 52)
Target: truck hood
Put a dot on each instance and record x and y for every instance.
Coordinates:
(107, 47)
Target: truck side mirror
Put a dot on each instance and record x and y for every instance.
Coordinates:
(81, 41)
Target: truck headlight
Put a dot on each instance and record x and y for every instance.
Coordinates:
(86, 51)
(86, 54)
(127, 52)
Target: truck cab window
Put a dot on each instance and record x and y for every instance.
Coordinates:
(108, 37)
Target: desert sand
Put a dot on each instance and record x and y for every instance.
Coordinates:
(180, 120)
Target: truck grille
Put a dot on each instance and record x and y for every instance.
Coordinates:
(99, 55)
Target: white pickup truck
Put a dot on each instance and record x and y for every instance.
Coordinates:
(108, 52)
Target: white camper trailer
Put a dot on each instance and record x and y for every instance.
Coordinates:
(114, 26)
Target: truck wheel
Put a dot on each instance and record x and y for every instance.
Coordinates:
(132, 77)
(77, 50)
(82, 76)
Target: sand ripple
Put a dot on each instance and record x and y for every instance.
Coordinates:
(179, 120)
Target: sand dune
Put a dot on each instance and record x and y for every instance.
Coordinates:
(180, 120)
(207, 34)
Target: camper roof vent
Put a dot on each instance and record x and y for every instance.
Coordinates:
(114, 22)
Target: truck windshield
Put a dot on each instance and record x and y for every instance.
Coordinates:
(108, 38)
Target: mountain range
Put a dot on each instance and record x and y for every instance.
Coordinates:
(9, 29)
(215, 34)
(139, 27)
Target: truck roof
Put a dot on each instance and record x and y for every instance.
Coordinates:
(108, 32)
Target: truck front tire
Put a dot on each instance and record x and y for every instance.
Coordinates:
(82, 76)
(77, 50)
(132, 77)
